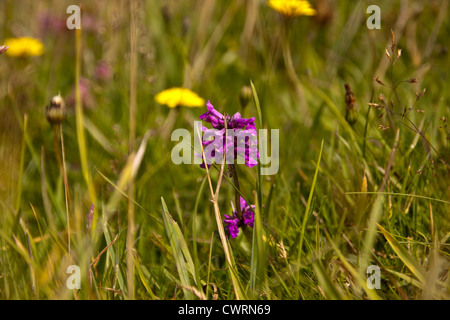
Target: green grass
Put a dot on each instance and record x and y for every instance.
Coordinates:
(346, 196)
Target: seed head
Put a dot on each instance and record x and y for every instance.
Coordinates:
(378, 80)
(392, 41)
(419, 95)
(376, 105)
(351, 113)
(399, 54)
(388, 55)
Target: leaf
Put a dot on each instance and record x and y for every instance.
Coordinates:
(308, 206)
(403, 254)
(180, 251)
(355, 274)
(325, 282)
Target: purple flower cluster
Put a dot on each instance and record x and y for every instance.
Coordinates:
(240, 138)
(233, 222)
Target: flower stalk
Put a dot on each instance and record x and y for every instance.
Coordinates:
(215, 195)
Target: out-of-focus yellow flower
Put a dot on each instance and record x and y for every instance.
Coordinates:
(179, 96)
(25, 46)
(292, 8)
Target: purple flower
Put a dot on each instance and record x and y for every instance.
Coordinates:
(217, 119)
(247, 213)
(232, 225)
(240, 139)
(233, 222)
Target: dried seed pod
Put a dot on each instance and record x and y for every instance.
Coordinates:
(387, 54)
(399, 54)
(56, 111)
(378, 80)
(351, 113)
(419, 95)
(381, 98)
(383, 127)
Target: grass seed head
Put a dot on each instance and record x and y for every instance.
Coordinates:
(378, 80)
(351, 113)
(392, 41)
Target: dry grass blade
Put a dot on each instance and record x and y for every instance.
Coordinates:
(128, 172)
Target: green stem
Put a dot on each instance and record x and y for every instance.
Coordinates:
(233, 173)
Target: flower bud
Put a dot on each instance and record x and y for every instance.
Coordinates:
(56, 112)
(245, 96)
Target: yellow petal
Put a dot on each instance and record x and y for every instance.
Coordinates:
(24, 46)
(174, 97)
(292, 8)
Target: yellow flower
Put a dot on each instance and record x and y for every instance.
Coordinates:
(24, 47)
(292, 8)
(179, 96)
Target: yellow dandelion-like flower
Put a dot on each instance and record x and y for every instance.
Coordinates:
(19, 47)
(292, 8)
(174, 97)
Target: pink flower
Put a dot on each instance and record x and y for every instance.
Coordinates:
(103, 71)
(87, 99)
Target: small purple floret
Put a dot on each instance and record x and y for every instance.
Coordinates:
(248, 216)
(243, 143)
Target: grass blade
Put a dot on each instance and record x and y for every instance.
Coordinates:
(325, 282)
(174, 235)
(308, 205)
(80, 126)
(259, 251)
(355, 274)
(403, 254)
